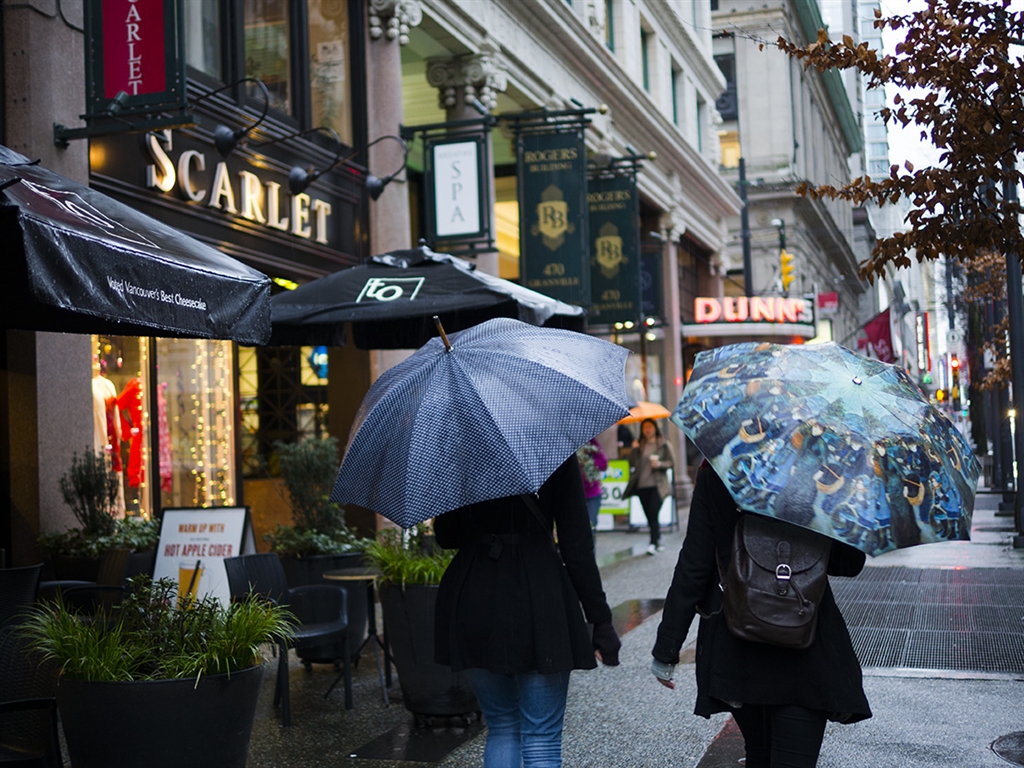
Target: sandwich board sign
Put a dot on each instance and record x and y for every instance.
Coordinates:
(193, 544)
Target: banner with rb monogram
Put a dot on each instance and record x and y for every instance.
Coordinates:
(614, 250)
(552, 214)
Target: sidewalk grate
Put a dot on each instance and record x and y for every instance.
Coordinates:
(961, 620)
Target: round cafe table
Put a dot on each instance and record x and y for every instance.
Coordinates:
(368, 575)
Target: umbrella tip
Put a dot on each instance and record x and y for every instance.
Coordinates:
(444, 336)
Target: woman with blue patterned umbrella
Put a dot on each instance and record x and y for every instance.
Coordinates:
(818, 437)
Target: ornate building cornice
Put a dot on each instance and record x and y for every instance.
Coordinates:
(392, 19)
(480, 76)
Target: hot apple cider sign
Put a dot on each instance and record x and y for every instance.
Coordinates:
(193, 545)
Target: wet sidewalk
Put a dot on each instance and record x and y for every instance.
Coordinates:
(960, 604)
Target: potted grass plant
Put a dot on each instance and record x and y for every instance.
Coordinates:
(90, 488)
(410, 569)
(157, 682)
(318, 540)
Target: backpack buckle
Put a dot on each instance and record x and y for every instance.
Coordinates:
(783, 572)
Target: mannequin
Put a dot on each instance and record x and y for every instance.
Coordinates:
(106, 423)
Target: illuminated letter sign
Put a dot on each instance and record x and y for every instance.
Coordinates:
(795, 315)
(924, 353)
(257, 200)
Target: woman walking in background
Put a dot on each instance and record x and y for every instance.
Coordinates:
(593, 462)
(649, 463)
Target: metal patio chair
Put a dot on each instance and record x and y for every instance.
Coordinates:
(320, 611)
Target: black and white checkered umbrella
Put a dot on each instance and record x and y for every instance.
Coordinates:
(493, 415)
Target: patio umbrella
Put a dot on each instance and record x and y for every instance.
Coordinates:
(81, 262)
(391, 302)
(492, 416)
(644, 410)
(822, 437)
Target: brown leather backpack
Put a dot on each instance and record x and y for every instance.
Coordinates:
(774, 582)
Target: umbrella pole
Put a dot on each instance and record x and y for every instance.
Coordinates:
(444, 336)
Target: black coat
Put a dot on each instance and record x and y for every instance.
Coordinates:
(508, 603)
(826, 676)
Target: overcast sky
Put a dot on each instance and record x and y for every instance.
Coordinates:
(906, 143)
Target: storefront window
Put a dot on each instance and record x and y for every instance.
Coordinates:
(329, 82)
(195, 395)
(506, 219)
(267, 50)
(203, 36)
(282, 396)
(121, 415)
(729, 146)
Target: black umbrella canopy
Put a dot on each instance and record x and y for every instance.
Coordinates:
(392, 300)
(79, 261)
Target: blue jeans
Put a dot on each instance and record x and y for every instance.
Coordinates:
(524, 715)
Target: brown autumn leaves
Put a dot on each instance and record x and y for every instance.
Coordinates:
(967, 86)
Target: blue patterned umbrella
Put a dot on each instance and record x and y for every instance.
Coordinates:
(492, 416)
(822, 437)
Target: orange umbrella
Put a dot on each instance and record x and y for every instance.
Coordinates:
(645, 410)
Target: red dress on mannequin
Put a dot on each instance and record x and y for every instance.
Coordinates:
(130, 404)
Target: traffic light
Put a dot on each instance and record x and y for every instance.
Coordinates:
(954, 364)
(786, 269)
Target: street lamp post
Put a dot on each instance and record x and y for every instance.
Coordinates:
(1015, 310)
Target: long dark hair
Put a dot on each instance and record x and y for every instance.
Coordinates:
(653, 423)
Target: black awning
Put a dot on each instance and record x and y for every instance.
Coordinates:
(391, 302)
(78, 261)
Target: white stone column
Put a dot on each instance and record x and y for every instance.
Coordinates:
(672, 232)
(387, 30)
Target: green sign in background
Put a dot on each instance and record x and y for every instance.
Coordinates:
(552, 215)
(614, 250)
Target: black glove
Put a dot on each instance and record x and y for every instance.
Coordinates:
(606, 641)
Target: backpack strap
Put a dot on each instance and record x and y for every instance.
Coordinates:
(531, 503)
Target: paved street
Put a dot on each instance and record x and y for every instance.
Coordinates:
(942, 627)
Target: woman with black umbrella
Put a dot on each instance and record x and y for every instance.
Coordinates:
(509, 613)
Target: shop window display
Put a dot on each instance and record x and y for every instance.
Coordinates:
(120, 415)
(195, 393)
(193, 408)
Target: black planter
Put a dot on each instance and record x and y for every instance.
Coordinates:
(75, 568)
(301, 571)
(160, 723)
(429, 689)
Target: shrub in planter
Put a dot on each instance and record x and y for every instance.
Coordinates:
(90, 488)
(308, 469)
(318, 539)
(411, 569)
(183, 677)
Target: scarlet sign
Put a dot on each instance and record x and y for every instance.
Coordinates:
(133, 47)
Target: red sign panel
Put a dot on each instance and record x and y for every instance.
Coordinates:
(828, 302)
(133, 47)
